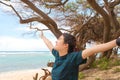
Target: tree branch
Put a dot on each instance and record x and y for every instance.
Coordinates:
(4, 3)
(31, 20)
(13, 9)
(34, 8)
(52, 1)
(38, 29)
(51, 24)
(113, 4)
(105, 16)
(98, 8)
(58, 3)
(26, 20)
(85, 23)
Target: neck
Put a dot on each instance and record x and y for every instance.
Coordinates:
(63, 52)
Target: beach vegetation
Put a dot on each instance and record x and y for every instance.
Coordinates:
(101, 64)
(81, 75)
(116, 70)
(104, 63)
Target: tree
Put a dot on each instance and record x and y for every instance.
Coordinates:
(98, 20)
(109, 16)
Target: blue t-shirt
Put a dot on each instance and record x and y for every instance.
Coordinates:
(66, 67)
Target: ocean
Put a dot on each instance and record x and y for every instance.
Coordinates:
(23, 60)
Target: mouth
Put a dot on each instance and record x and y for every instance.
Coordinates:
(55, 45)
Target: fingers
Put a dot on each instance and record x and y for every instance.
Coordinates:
(118, 41)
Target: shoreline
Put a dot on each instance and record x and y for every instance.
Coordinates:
(18, 69)
(22, 74)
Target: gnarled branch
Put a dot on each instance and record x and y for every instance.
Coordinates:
(55, 3)
(42, 14)
(116, 2)
(13, 9)
(47, 20)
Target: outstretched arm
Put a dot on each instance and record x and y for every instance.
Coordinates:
(98, 48)
(46, 41)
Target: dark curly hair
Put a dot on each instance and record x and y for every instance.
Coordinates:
(70, 40)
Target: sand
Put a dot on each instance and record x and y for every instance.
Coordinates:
(22, 75)
(90, 74)
(96, 74)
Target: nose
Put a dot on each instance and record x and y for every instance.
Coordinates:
(56, 41)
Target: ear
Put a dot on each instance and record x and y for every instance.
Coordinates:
(66, 45)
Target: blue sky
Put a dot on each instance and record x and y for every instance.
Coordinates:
(12, 39)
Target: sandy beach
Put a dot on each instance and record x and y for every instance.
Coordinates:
(90, 74)
(22, 75)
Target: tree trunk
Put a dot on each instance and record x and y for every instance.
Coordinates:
(90, 60)
(107, 27)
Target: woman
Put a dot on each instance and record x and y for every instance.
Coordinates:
(67, 61)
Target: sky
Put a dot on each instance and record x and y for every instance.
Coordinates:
(14, 36)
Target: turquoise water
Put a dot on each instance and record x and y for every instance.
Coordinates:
(21, 60)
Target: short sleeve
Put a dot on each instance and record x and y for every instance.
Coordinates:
(55, 53)
(79, 60)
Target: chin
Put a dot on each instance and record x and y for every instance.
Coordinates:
(56, 48)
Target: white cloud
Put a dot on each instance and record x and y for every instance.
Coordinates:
(23, 29)
(19, 44)
(47, 33)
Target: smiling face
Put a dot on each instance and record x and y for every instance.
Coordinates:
(66, 43)
(60, 45)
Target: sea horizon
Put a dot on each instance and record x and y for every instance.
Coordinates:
(24, 51)
(22, 60)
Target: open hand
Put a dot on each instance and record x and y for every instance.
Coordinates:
(118, 41)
